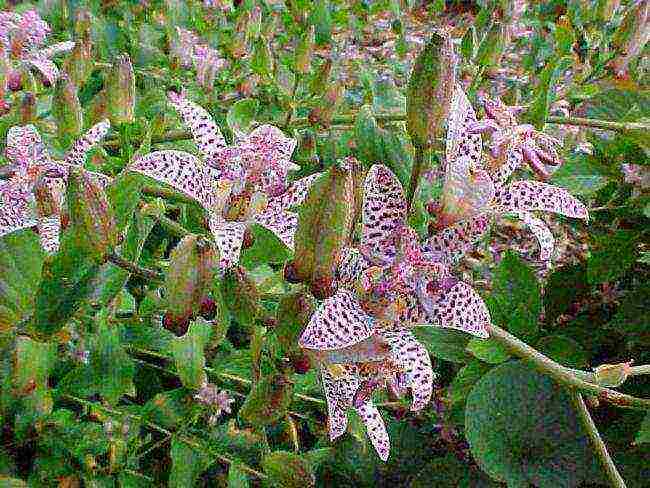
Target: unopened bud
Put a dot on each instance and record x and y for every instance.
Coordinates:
(91, 213)
(66, 108)
(304, 52)
(262, 59)
(120, 91)
(612, 375)
(15, 80)
(28, 108)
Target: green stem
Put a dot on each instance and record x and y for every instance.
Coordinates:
(596, 441)
(598, 124)
(563, 375)
(161, 430)
(167, 194)
(171, 225)
(120, 262)
(638, 370)
(419, 162)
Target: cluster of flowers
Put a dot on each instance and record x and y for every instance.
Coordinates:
(23, 46)
(387, 284)
(189, 50)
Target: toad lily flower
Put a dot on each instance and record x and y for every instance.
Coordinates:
(472, 193)
(33, 171)
(361, 337)
(237, 185)
(22, 39)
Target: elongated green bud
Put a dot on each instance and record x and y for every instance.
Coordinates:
(304, 51)
(66, 109)
(120, 91)
(80, 63)
(91, 214)
(262, 59)
(324, 228)
(192, 265)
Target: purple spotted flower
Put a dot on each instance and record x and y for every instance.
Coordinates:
(472, 193)
(33, 170)
(23, 42)
(361, 335)
(237, 185)
(191, 51)
(219, 402)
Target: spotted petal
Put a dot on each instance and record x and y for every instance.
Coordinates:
(269, 139)
(542, 232)
(229, 237)
(282, 223)
(25, 147)
(297, 191)
(375, 429)
(47, 68)
(205, 132)
(456, 240)
(461, 308)
(466, 191)
(384, 213)
(534, 195)
(514, 159)
(461, 142)
(339, 322)
(15, 213)
(57, 48)
(351, 265)
(182, 171)
(78, 152)
(415, 360)
(49, 229)
(339, 393)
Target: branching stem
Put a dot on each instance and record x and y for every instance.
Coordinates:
(596, 441)
(133, 268)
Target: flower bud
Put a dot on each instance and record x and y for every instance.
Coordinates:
(191, 270)
(79, 64)
(91, 214)
(15, 80)
(28, 108)
(612, 375)
(66, 108)
(304, 51)
(120, 91)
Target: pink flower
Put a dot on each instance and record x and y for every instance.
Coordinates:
(237, 185)
(218, 401)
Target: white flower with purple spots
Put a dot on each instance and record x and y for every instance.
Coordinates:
(361, 336)
(23, 41)
(238, 185)
(472, 193)
(33, 171)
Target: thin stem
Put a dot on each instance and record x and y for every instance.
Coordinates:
(416, 171)
(638, 370)
(120, 262)
(598, 124)
(161, 430)
(563, 375)
(596, 441)
(171, 225)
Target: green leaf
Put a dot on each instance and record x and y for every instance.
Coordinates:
(170, 408)
(488, 350)
(293, 313)
(430, 89)
(564, 287)
(612, 257)
(515, 302)
(563, 350)
(632, 318)
(110, 369)
(374, 144)
(465, 379)
(580, 175)
(545, 91)
(241, 297)
(241, 115)
(643, 435)
(124, 195)
(268, 400)
(449, 471)
(523, 430)
(288, 470)
(266, 248)
(447, 344)
(188, 462)
(21, 262)
(188, 353)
